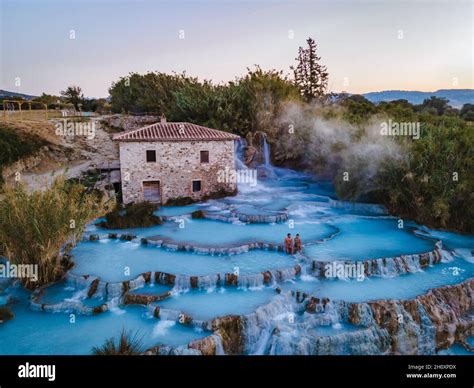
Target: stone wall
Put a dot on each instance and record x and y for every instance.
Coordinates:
(177, 165)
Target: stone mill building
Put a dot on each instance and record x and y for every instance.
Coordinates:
(169, 160)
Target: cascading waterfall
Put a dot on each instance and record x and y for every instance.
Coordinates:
(259, 325)
(250, 281)
(182, 283)
(266, 153)
(239, 147)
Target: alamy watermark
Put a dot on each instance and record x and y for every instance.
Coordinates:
(345, 270)
(229, 175)
(395, 128)
(29, 271)
(30, 371)
(70, 128)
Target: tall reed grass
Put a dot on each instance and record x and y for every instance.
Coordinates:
(34, 227)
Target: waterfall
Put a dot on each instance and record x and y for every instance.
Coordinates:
(260, 325)
(219, 347)
(266, 153)
(251, 281)
(182, 283)
(239, 146)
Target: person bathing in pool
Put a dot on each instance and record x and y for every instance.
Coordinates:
(297, 247)
(288, 244)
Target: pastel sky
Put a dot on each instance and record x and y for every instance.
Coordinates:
(366, 45)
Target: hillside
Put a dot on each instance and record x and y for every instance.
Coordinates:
(7, 94)
(33, 149)
(456, 97)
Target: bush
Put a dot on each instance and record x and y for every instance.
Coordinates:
(180, 201)
(198, 214)
(6, 314)
(128, 344)
(88, 179)
(35, 226)
(434, 185)
(221, 193)
(137, 215)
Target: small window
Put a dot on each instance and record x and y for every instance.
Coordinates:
(196, 186)
(151, 156)
(204, 156)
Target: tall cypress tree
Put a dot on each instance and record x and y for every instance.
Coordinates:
(311, 77)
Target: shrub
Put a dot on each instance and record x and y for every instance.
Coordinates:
(221, 193)
(198, 214)
(88, 179)
(129, 343)
(6, 314)
(137, 215)
(180, 201)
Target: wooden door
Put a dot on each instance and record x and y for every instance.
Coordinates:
(151, 191)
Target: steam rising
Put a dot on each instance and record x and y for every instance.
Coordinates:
(331, 146)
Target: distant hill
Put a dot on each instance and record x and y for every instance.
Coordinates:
(13, 95)
(456, 97)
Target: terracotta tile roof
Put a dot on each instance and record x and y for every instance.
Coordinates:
(169, 131)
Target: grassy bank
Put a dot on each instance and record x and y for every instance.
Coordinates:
(15, 145)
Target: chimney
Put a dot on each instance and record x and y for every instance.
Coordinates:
(163, 119)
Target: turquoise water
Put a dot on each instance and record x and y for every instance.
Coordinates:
(40, 333)
(458, 350)
(115, 260)
(152, 289)
(204, 305)
(330, 230)
(399, 287)
(369, 238)
(173, 211)
(61, 292)
(451, 240)
(210, 233)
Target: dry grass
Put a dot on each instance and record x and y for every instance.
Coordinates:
(35, 114)
(43, 129)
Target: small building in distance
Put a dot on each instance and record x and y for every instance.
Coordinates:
(168, 160)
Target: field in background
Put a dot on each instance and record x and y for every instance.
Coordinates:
(36, 115)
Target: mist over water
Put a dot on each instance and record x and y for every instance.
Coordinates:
(332, 146)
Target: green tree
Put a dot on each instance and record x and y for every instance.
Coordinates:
(152, 92)
(311, 76)
(358, 108)
(73, 95)
(467, 112)
(48, 99)
(435, 105)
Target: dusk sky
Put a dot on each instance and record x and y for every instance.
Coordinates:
(366, 45)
